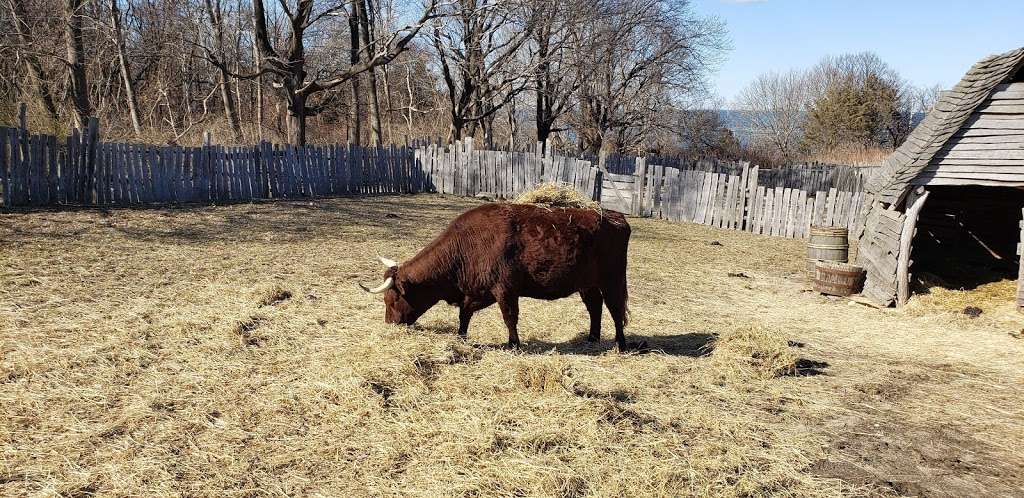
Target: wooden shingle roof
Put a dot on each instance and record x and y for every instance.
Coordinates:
(951, 111)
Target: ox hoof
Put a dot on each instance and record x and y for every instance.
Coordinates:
(593, 338)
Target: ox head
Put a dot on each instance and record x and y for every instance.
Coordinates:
(400, 307)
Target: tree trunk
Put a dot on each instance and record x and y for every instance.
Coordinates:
(543, 130)
(362, 9)
(389, 101)
(230, 111)
(125, 67)
(355, 131)
(487, 126)
(77, 85)
(258, 81)
(543, 82)
(513, 126)
(297, 120)
(456, 129)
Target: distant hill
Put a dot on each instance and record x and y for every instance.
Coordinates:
(738, 122)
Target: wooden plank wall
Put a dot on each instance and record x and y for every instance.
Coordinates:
(878, 253)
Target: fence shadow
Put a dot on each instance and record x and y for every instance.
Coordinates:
(284, 220)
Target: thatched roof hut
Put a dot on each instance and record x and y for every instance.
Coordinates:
(967, 160)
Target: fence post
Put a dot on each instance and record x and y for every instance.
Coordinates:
(641, 180)
(751, 196)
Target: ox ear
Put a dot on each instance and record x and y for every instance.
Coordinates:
(390, 263)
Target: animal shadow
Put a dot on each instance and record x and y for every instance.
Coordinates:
(690, 344)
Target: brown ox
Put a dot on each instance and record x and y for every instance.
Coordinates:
(501, 252)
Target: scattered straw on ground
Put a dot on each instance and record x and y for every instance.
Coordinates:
(228, 351)
(556, 194)
(994, 301)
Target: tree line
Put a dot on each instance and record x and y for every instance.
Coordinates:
(624, 76)
(587, 74)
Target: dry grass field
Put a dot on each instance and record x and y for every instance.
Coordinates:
(227, 351)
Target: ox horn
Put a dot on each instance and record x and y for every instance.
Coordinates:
(388, 282)
(390, 263)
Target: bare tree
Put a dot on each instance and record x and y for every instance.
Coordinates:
(285, 60)
(555, 43)
(37, 75)
(367, 35)
(922, 99)
(478, 47)
(774, 106)
(643, 56)
(215, 12)
(124, 65)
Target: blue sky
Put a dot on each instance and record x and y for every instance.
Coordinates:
(928, 42)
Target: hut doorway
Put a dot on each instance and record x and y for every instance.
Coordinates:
(968, 236)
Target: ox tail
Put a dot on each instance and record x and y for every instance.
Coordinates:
(624, 292)
(625, 305)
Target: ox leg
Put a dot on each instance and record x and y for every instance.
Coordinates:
(510, 313)
(465, 313)
(615, 299)
(592, 300)
(467, 308)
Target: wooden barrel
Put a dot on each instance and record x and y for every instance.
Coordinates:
(827, 244)
(838, 279)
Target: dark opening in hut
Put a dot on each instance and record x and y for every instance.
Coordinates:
(965, 238)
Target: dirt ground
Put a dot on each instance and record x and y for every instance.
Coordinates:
(228, 351)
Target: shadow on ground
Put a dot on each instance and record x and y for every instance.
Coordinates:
(284, 220)
(690, 344)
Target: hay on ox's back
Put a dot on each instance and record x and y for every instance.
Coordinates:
(554, 194)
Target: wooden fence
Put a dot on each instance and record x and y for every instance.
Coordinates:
(815, 177)
(36, 170)
(808, 176)
(461, 170)
(740, 202)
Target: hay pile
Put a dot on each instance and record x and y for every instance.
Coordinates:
(557, 195)
(753, 352)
